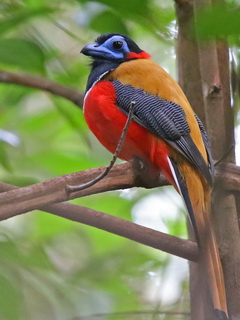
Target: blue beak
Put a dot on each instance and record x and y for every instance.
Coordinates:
(91, 49)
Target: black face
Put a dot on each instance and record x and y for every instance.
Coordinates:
(111, 46)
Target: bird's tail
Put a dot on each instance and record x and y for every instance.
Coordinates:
(211, 258)
(197, 197)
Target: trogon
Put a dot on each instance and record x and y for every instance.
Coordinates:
(164, 132)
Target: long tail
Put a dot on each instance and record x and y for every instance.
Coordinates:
(212, 259)
(197, 197)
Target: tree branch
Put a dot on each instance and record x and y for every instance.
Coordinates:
(122, 176)
(182, 248)
(190, 81)
(43, 84)
(214, 63)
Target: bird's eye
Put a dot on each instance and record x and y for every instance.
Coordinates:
(117, 45)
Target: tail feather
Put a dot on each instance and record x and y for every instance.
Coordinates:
(197, 197)
(213, 262)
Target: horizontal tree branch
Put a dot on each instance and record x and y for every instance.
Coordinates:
(122, 176)
(182, 248)
(43, 84)
(228, 176)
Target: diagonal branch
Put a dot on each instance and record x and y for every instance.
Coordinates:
(43, 84)
(182, 248)
(122, 176)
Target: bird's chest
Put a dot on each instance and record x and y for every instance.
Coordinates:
(106, 121)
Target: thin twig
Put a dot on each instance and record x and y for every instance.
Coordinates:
(70, 189)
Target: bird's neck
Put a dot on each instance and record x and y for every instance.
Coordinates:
(100, 67)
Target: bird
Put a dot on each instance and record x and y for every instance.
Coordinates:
(164, 132)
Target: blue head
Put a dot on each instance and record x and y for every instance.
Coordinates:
(113, 46)
(108, 52)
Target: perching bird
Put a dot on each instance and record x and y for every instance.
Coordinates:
(164, 132)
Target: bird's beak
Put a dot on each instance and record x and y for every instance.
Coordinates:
(91, 49)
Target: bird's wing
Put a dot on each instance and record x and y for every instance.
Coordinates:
(166, 120)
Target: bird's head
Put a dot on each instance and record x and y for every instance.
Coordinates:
(115, 47)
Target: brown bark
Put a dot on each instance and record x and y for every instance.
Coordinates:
(187, 57)
(190, 80)
(213, 85)
(216, 94)
(183, 248)
(224, 205)
(121, 176)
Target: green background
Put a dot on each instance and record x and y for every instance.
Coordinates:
(51, 268)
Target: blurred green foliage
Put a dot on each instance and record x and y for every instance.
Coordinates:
(221, 20)
(51, 268)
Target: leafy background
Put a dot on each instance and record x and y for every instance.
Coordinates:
(51, 268)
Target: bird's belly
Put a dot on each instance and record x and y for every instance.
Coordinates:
(106, 122)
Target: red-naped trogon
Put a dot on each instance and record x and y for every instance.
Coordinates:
(165, 132)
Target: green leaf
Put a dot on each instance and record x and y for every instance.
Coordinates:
(21, 53)
(4, 160)
(148, 15)
(108, 21)
(219, 21)
(10, 299)
(47, 226)
(132, 7)
(21, 16)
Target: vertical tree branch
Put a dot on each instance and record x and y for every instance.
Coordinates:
(187, 57)
(190, 80)
(211, 89)
(212, 83)
(225, 206)
(216, 92)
